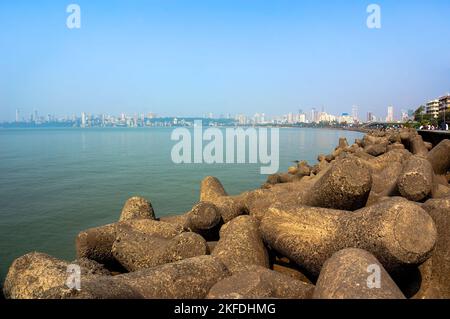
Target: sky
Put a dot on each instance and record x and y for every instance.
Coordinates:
(188, 58)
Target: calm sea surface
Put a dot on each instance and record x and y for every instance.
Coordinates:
(57, 182)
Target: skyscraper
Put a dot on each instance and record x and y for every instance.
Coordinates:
(355, 113)
(390, 114)
(313, 115)
(17, 115)
(83, 119)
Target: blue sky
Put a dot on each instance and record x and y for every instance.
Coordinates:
(222, 56)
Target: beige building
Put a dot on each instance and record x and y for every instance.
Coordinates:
(444, 103)
(433, 108)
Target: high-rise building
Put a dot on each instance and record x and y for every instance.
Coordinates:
(302, 118)
(17, 115)
(370, 117)
(390, 114)
(355, 113)
(290, 118)
(35, 116)
(83, 119)
(313, 115)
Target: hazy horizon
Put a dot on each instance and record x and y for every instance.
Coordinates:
(178, 58)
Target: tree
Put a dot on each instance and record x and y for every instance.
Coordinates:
(418, 114)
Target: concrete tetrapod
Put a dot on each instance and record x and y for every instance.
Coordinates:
(259, 282)
(147, 243)
(439, 157)
(204, 218)
(96, 243)
(355, 274)
(436, 270)
(240, 245)
(211, 190)
(137, 207)
(185, 279)
(346, 185)
(31, 275)
(416, 179)
(396, 231)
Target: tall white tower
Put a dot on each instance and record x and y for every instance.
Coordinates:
(390, 114)
(83, 119)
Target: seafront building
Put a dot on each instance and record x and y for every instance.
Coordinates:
(432, 108)
(444, 103)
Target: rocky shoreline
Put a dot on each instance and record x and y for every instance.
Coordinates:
(369, 220)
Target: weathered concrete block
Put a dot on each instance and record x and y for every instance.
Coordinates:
(259, 282)
(376, 149)
(347, 275)
(345, 186)
(285, 266)
(418, 146)
(186, 279)
(384, 183)
(303, 169)
(211, 190)
(91, 267)
(293, 170)
(137, 207)
(439, 157)
(211, 245)
(96, 244)
(240, 245)
(395, 146)
(203, 217)
(373, 140)
(413, 142)
(436, 270)
(158, 244)
(149, 227)
(343, 144)
(416, 179)
(32, 275)
(396, 231)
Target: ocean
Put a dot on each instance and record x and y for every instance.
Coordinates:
(56, 182)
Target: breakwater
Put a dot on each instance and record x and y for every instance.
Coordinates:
(380, 204)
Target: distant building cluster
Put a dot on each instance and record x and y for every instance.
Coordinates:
(300, 117)
(311, 117)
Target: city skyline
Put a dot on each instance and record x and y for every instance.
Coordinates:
(190, 59)
(88, 119)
